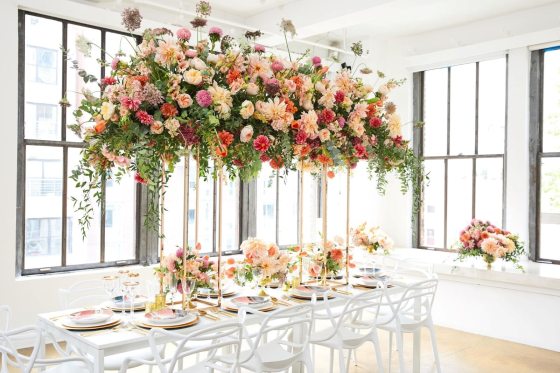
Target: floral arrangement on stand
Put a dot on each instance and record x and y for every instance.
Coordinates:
(262, 262)
(371, 239)
(481, 238)
(199, 267)
(232, 104)
(326, 262)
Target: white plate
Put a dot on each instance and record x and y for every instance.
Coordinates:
(252, 301)
(68, 322)
(90, 317)
(263, 306)
(179, 321)
(309, 290)
(139, 301)
(177, 317)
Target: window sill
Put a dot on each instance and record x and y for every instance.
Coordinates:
(540, 278)
(86, 273)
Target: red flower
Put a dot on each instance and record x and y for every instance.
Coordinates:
(226, 138)
(361, 151)
(140, 179)
(144, 117)
(276, 163)
(375, 122)
(336, 254)
(339, 97)
(109, 80)
(324, 159)
(371, 110)
(264, 158)
(261, 143)
(326, 116)
(397, 140)
(221, 151)
(168, 110)
(238, 163)
(330, 174)
(301, 137)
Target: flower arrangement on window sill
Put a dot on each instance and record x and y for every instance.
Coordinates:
(483, 239)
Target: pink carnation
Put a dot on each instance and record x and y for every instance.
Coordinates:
(203, 98)
(339, 97)
(375, 122)
(184, 33)
(144, 117)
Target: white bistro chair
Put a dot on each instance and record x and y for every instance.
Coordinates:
(411, 310)
(351, 328)
(215, 342)
(66, 363)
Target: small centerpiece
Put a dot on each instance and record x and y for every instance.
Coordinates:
(373, 240)
(327, 262)
(263, 262)
(484, 239)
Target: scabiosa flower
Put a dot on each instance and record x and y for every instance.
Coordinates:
(277, 66)
(253, 35)
(316, 61)
(261, 143)
(152, 95)
(198, 22)
(375, 122)
(203, 8)
(83, 45)
(131, 19)
(144, 117)
(259, 48)
(339, 97)
(168, 110)
(184, 33)
(215, 32)
(366, 70)
(390, 107)
(287, 27)
(203, 98)
(272, 86)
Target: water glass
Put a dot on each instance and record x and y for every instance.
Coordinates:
(188, 286)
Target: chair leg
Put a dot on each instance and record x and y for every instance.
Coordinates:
(434, 345)
(341, 361)
(378, 356)
(331, 368)
(400, 348)
(308, 362)
(348, 360)
(390, 350)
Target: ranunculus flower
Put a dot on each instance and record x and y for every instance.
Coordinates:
(193, 76)
(252, 89)
(168, 110)
(184, 100)
(226, 138)
(156, 127)
(316, 61)
(259, 48)
(247, 109)
(198, 64)
(324, 135)
(261, 143)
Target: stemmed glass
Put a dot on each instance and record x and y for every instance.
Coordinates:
(123, 277)
(130, 287)
(188, 286)
(172, 286)
(109, 284)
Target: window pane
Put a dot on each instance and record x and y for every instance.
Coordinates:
(336, 209)
(288, 209)
(491, 106)
(43, 83)
(80, 251)
(433, 206)
(459, 197)
(435, 112)
(462, 109)
(489, 189)
(311, 200)
(550, 208)
(115, 44)
(43, 207)
(120, 219)
(230, 222)
(363, 209)
(266, 204)
(75, 84)
(551, 102)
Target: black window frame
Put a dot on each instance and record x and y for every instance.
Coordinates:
(418, 146)
(536, 153)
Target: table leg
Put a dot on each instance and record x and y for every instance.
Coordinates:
(98, 361)
(417, 341)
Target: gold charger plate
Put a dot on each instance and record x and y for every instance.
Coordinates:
(92, 327)
(161, 326)
(228, 294)
(265, 309)
(304, 297)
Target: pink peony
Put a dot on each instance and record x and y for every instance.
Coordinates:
(261, 143)
(184, 33)
(203, 98)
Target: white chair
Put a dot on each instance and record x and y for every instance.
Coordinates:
(67, 363)
(411, 310)
(281, 341)
(351, 328)
(208, 341)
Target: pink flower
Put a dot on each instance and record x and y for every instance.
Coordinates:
(277, 66)
(261, 143)
(215, 31)
(360, 151)
(316, 61)
(184, 33)
(203, 98)
(326, 116)
(191, 53)
(301, 137)
(375, 122)
(130, 103)
(339, 97)
(115, 63)
(341, 121)
(259, 48)
(144, 117)
(109, 80)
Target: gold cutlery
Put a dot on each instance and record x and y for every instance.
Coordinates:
(222, 312)
(103, 331)
(206, 314)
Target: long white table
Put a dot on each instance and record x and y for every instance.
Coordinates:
(98, 346)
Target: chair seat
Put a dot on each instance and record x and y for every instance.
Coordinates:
(408, 325)
(346, 337)
(272, 356)
(71, 367)
(114, 362)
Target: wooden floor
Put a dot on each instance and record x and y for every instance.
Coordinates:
(459, 352)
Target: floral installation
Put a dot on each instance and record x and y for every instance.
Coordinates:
(197, 266)
(261, 261)
(235, 106)
(331, 257)
(481, 238)
(371, 239)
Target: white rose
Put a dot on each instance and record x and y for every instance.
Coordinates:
(107, 110)
(247, 109)
(193, 76)
(252, 89)
(324, 135)
(246, 133)
(198, 64)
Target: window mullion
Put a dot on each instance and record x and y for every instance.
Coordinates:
(445, 160)
(477, 87)
(277, 209)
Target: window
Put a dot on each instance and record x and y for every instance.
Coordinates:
(545, 155)
(462, 142)
(50, 238)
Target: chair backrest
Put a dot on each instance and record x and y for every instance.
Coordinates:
(83, 293)
(410, 267)
(353, 316)
(207, 341)
(416, 300)
(278, 327)
(5, 315)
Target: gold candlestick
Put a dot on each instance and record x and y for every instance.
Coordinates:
(300, 221)
(348, 225)
(324, 211)
(162, 225)
(196, 197)
(220, 203)
(186, 188)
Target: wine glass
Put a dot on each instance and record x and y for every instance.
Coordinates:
(172, 286)
(188, 289)
(130, 287)
(123, 277)
(109, 284)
